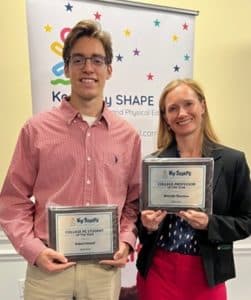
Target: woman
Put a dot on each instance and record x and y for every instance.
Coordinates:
(189, 255)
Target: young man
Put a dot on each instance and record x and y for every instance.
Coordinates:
(77, 154)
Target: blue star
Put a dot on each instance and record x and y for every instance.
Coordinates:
(176, 68)
(186, 57)
(156, 22)
(68, 7)
(119, 57)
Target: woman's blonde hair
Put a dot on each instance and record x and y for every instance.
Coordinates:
(165, 135)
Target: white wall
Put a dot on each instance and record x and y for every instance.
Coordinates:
(239, 288)
(12, 271)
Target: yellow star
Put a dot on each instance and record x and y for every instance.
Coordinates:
(175, 38)
(127, 32)
(47, 28)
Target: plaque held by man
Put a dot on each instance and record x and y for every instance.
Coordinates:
(84, 233)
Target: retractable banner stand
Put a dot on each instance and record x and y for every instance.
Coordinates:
(151, 45)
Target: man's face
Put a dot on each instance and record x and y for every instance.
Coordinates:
(87, 77)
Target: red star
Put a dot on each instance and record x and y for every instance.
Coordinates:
(97, 16)
(150, 76)
(185, 26)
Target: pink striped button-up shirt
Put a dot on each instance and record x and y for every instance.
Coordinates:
(60, 160)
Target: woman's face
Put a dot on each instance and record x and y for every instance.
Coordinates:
(184, 111)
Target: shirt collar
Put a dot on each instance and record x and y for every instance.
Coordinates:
(107, 116)
(70, 113)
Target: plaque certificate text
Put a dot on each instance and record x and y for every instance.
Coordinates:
(84, 233)
(175, 184)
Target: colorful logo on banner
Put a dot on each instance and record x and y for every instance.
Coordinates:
(58, 69)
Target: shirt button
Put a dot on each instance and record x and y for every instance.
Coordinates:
(88, 181)
(87, 203)
(88, 133)
(88, 158)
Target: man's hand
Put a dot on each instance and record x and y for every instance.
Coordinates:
(151, 219)
(197, 219)
(120, 257)
(50, 260)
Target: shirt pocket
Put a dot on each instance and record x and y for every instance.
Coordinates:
(116, 170)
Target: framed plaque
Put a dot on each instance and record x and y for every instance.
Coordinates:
(177, 184)
(84, 233)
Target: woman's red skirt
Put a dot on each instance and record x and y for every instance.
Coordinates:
(174, 276)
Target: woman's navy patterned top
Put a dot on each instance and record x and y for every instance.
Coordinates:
(178, 236)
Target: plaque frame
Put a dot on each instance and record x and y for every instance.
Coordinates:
(165, 163)
(57, 212)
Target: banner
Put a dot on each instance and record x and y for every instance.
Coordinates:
(151, 47)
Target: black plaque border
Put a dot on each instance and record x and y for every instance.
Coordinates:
(156, 161)
(54, 211)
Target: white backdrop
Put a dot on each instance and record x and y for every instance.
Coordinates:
(152, 45)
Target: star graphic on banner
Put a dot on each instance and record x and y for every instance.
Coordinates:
(186, 57)
(150, 76)
(68, 7)
(127, 32)
(47, 28)
(136, 52)
(97, 16)
(119, 57)
(185, 26)
(156, 23)
(175, 38)
(176, 68)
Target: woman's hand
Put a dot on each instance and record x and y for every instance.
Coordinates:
(151, 219)
(197, 219)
